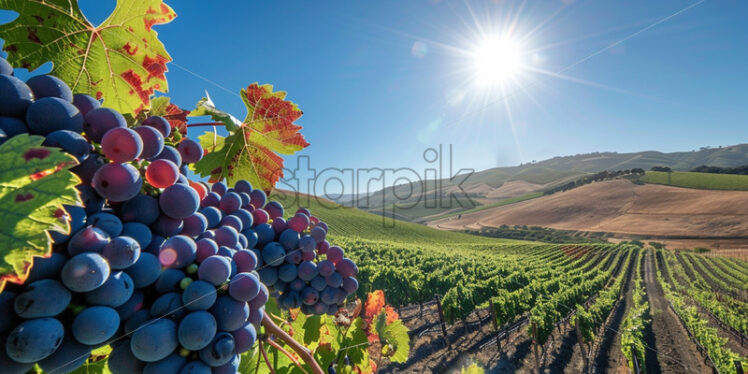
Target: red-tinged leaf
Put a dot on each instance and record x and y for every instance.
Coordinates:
(177, 117)
(34, 183)
(374, 304)
(121, 60)
(251, 150)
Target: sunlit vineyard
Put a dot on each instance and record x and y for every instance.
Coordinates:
(548, 289)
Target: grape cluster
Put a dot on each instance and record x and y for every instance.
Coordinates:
(172, 273)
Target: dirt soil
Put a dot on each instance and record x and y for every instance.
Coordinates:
(683, 216)
(675, 352)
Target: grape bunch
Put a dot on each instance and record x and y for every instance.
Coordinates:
(173, 274)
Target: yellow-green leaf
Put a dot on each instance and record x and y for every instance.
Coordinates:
(120, 60)
(34, 183)
(250, 152)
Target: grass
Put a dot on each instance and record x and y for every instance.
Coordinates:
(511, 200)
(354, 223)
(705, 181)
(430, 207)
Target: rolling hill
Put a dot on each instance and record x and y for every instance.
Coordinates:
(683, 217)
(497, 185)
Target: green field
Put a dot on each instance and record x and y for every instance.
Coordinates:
(705, 181)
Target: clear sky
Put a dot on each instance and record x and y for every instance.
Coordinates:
(381, 81)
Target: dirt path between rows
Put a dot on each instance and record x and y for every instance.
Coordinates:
(675, 352)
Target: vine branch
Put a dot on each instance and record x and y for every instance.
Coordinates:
(302, 351)
(204, 124)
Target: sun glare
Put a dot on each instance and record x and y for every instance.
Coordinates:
(496, 60)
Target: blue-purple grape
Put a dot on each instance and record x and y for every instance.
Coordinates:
(95, 325)
(117, 182)
(117, 289)
(85, 272)
(196, 330)
(49, 86)
(50, 114)
(154, 340)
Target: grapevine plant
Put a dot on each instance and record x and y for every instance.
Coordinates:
(113, 261)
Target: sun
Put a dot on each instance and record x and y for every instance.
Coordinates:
(496, 60)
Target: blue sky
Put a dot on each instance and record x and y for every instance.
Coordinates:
(372, 99)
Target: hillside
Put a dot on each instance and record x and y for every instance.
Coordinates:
(493, 185)
(682, 216)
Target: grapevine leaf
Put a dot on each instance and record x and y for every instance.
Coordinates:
(34, 183)
(97, 363)
(121, 60)
(177, 117)
(396, 334)
(251, 150)
(356, 344)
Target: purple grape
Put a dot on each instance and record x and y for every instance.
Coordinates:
(256, 315)
(117, 182)
(155, 245)
(252, 238)
(211, 199)
(132, 306)
(227, 236)
(5, 67)
(90, 239)
(199, 295)
(168, 281)
(220, 351)
(214, 269)
(274, 209)
(167, 226)
(307, 243)
(169, 365)
(230, 202)
(308, 256)
(12, 126)
(347, 267)
(100, 120)
(246, 261)
(297, 285)
(153, 141)
(196, 330)
(162, 173)
(154, 340)
(230, 314)
(190, 150)
(87, 168)
(138, 231)
(265, 233)
(205, 248)
(141, 208)
(298, 223)
(49, 86)
(261, 298)
(244, 337)
(273, 254)
(195, 225)
(260, 216)
(328, 295)
(70, 141)
(50, 114)
(121, 252)
(289, 239)
(279, 225)
(309, 296)
(107, 222)
(179, 201)
(171, 154)
(268, 275)
(177, 252)
(325, 267)
(95, 325)
(258, 198)
(219, 188)
(168, 305)
(43, 298)
(159, 123)
(232, 221)
(69, 356)
(42, 268)
(350, 285)
(334, 280)
(318, 283)
(85, 272)
(335, 254)
(85, 103)
(307, 270)
(15, 96)
(145, 271)
(243, 186)
(318, 233)
(34, 340)
(294, 257)
(121, 144)
(212, 215)
(244, 286)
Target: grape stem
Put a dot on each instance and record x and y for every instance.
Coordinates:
(203, 124)
(265, 356)
(302, 351)
(285, 352)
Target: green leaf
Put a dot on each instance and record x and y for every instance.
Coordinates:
(121, 60)
(251, 150)
(99, 366)
(396, 334)
(34, 183)
(356, 345)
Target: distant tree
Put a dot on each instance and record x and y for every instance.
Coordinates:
(661, 168)
(656, 245)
